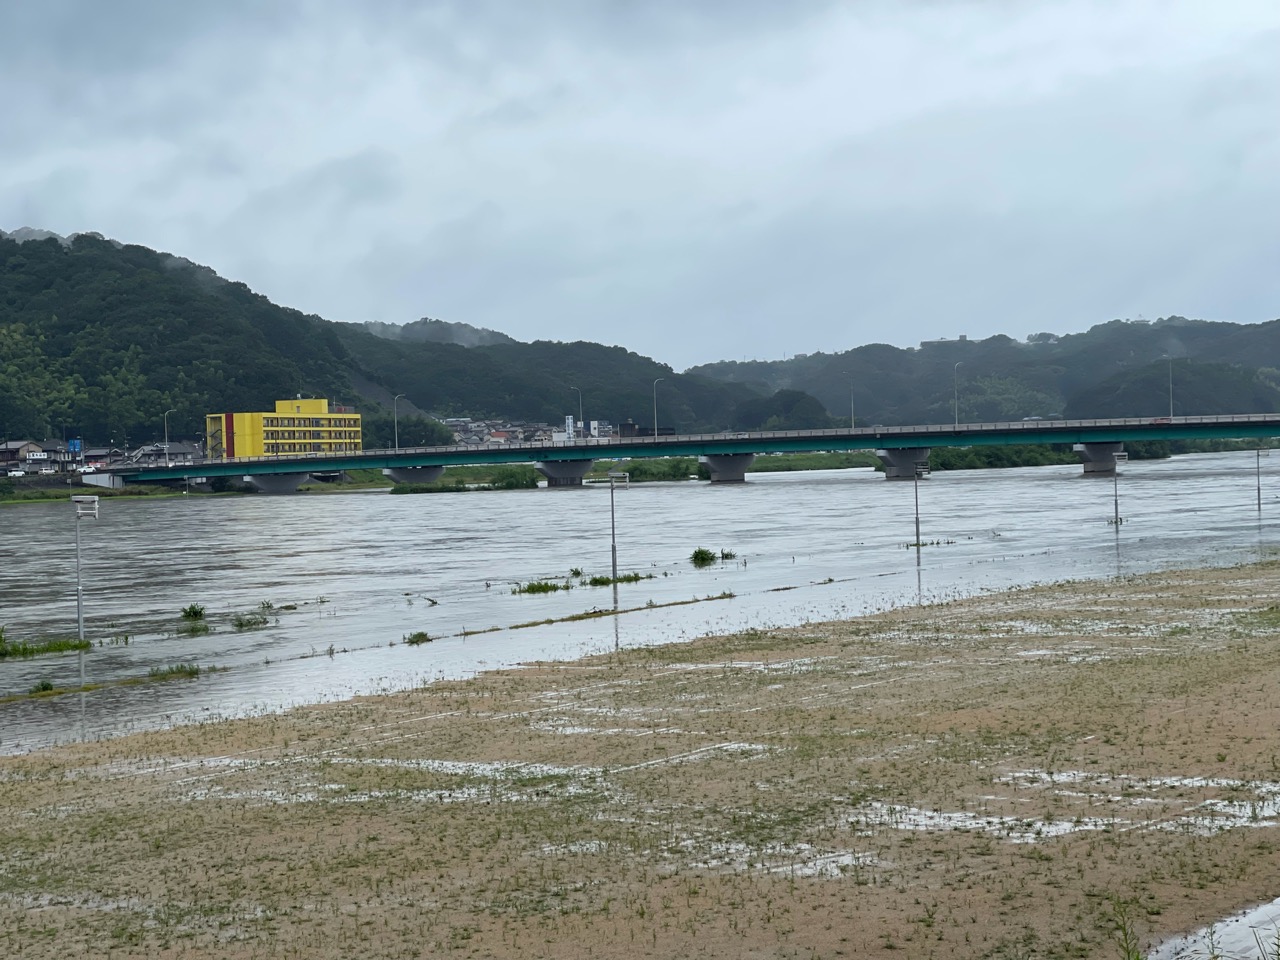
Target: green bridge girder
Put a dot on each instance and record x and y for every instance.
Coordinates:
(1241, 426)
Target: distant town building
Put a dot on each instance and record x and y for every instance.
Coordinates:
(298, 426)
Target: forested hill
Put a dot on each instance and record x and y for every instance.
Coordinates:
(1115, 369)
(99, 339)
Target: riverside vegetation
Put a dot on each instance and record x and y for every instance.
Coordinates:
(22, 650)
(1078, 770)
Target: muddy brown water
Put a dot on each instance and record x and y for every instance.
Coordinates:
(342, 579)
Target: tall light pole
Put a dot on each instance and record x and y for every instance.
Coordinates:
(1170, 359)
(655, 404)
(853, 422)
(85, 507)
(915, 479)
(1258, 474)
(955, 402)
(613, 532)
(580, 422)
(166, 436)
(395, 416)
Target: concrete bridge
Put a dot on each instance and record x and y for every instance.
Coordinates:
(902, 450)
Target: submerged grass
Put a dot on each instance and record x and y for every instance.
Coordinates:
(702, 557)
(175, 671)
(21, 650)
(601, 581)
(541, 586)
(613, 612)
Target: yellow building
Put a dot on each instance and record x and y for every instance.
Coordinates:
(296, 427)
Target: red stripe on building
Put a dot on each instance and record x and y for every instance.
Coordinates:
(229, 434)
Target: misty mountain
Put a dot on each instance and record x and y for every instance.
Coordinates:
(427, 330)
(1115, 369)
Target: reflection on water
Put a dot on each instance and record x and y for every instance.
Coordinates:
(341, 579)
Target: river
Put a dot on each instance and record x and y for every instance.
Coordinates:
(363, 570)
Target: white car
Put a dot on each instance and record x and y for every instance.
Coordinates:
(17, 473)
(45, 471)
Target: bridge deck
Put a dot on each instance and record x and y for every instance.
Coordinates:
(1239, 426)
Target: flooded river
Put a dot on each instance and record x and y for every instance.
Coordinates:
(342, 579)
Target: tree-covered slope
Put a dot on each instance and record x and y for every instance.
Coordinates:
(99, 339)
(1115, 369)
(538, 381)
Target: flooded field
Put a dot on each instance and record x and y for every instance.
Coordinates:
(310, 598)
(1087, 769)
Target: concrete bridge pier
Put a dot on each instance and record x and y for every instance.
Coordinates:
(413, 474)
(1099, 458)
(727, 467)
(277, 482)
(564, 473)
(904, 463)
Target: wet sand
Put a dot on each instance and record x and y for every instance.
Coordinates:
(1018, 775)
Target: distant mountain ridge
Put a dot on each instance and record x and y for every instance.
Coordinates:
(24, 234)
(1116, 369)
(427, 330)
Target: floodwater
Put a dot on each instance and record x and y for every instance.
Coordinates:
(343, 578)
(1253, 933)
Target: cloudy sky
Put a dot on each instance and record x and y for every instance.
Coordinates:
(692, 180)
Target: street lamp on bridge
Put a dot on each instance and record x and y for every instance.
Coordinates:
(581, 424)
(395, 417)
(166, 435)
(655, 404)
(955, 402)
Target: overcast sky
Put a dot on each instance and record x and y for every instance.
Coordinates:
(693, 180)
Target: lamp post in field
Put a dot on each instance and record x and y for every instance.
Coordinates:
(86, 507)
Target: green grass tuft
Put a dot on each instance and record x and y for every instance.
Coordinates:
(702, 557)
(541, 586)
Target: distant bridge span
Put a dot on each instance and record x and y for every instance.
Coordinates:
(727, 454)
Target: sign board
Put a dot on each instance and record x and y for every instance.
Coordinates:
(1122, 457)
(41, 455)
(75, 446)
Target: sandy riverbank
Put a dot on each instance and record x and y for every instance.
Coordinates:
(996, 777)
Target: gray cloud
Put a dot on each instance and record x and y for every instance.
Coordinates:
(691, 180)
